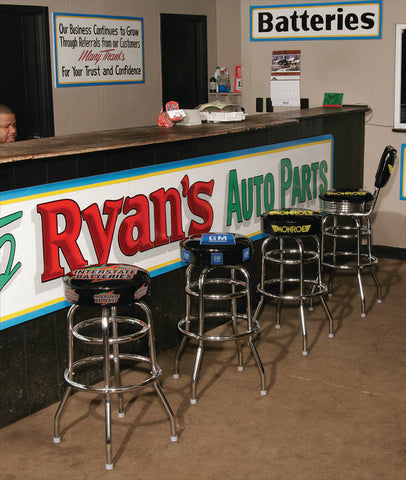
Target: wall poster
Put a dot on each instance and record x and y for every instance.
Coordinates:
(98, 50)
(139, 216)
(285, 78)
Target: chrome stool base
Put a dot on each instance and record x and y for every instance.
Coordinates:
(208, 284)
(349, 228)
(109, 332)
(347, 215)
(291, 264)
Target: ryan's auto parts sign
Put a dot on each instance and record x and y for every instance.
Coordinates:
(139, 216)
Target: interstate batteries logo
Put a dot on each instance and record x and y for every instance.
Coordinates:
(110, 272)
(106, 298)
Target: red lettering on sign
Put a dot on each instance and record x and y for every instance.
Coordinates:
(140, 221)
(134, 232)
(159, 199)
(102, 237)
(65, 240)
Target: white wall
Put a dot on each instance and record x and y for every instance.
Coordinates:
(103, 107)
(364, 71)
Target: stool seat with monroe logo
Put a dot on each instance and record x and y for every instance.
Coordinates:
(347, 231)
(215, 282)
(107, 287)
(290, 263)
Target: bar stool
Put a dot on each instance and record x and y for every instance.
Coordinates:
(215, 274)
(106, 287)
(346, 230)
(291, 264)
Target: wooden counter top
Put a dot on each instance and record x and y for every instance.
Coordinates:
(139, 136)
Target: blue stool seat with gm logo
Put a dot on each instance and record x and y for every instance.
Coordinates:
(216, 249)
(218, 297)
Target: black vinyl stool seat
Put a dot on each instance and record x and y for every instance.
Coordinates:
(347, 231)
(107, 287)
(291, 263)
(216, 278)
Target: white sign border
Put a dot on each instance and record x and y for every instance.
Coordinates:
(14, 196)
(90, 84)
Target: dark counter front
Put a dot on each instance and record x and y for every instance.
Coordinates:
(33, 353)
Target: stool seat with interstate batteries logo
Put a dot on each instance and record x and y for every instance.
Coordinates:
(215, 280)
(290, 263)
(103, 289)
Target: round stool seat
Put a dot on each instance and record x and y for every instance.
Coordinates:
(216, 249)
(291, 222)
(346, 202)
(108, 284)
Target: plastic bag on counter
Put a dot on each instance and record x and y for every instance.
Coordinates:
(171, 114)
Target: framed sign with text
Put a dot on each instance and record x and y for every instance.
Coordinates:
(98, 50)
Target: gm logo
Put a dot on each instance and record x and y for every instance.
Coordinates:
(217, 239)
(185, 255)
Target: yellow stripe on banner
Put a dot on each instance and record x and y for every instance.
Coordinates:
(155, 174)
(31, 309)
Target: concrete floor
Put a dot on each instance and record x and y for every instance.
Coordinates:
(338, 414)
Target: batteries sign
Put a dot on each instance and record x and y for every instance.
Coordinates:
(317, 21)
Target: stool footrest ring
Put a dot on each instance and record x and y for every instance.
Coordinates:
(320, 290)
(128, 321)
(113, 389)
(279, 256)
(241, 289)
(366, 260)
(219, 338)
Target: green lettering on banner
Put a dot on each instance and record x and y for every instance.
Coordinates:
(6, 276)
(233, 203)
(323, 169)
(306, 177)
(246, 194)
(269, 192)
(286, 180)
(296, 190)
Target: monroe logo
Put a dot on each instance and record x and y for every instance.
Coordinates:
(291, 212)
(355, 194)
(291, 229)
(106, 298)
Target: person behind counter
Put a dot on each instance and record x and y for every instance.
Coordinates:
(8, 125)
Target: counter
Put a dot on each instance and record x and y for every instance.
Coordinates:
(33, 346)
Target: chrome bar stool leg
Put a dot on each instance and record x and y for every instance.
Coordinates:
(156, 370)
(234, 321)
(106, 373)
(116, 359)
